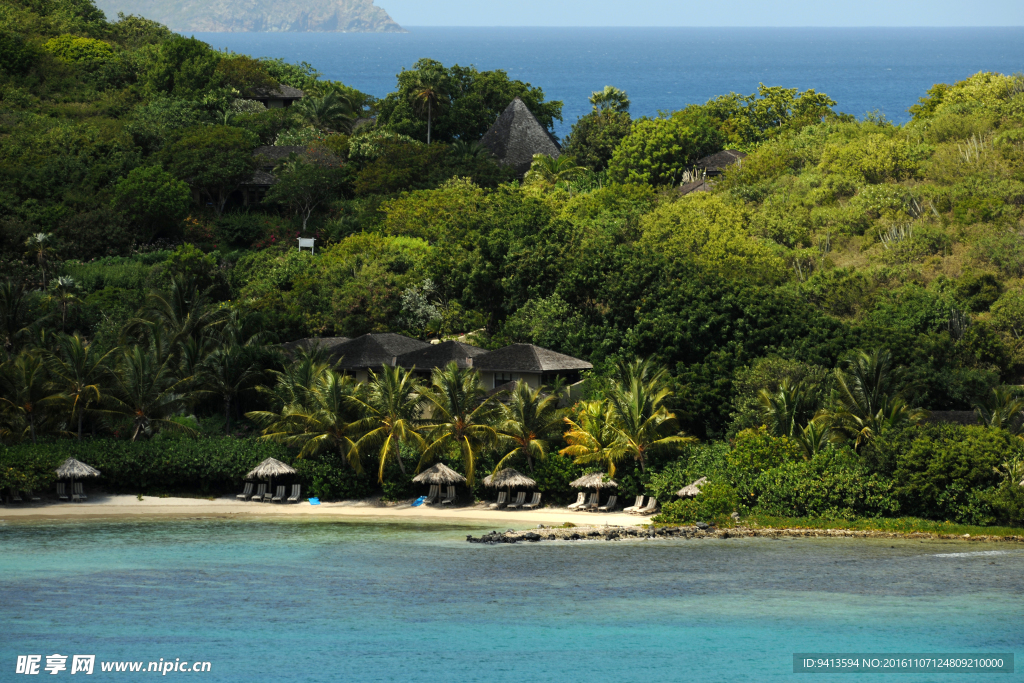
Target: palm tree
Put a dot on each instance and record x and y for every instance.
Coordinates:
(41, 245)
(815, 436)
(469, 150)
(528, 420)
(228, 372)
(461, 414)
(64, 294)
(296, 382)
(553, 170)
(147, 391)
(610, 98)
(390, 404)
(592, 437)
(868, 397)
(787, 410)
(79, 372)
(15, 314)
(169, 318)
(322, 424)
(331, 111)
(24, 392)
(1003, 410)
(427, 96)
(639, 416)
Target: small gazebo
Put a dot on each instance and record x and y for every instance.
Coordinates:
(439, 474)
(693, 489)
(596, 481)
(268, 469)
(509, 479)
(74, 469)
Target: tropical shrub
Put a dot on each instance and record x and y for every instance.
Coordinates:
(716, 501)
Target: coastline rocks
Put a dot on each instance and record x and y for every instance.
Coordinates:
(702, 530)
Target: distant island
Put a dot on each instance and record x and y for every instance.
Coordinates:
(355, 16)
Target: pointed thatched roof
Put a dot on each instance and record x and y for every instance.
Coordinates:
(528, 358)
(693, 489)
(439, 474)
(509, 477)
(440, 355)
(271, 467)
(517, 135)
(73, 469)
(597, 480)
(371, 351)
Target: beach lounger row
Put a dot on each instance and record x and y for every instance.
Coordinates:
(77, 494)
(263, 495)
(590, 502)
(519, 503)
(434, 496)
(638, 508)
(15, 497)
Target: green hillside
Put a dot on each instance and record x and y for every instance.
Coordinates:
(125, 148)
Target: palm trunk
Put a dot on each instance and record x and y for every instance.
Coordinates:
(32, 426)
(429, 120)
(227, 414)
(81, 416)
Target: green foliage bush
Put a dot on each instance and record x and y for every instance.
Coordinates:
(716, 501)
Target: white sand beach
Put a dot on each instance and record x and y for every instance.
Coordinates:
(112, 506)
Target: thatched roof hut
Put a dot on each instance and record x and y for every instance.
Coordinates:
(439, 474)
(271, 467)
(693, 489)
(597, 480)
(74, 469)
(509, 478)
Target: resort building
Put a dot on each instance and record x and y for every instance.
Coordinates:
(535, 365)
(716, 164)
(517, 135)
(278, 98)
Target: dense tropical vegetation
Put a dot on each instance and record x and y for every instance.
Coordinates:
(799, 322)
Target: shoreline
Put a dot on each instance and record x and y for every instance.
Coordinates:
(519, 524)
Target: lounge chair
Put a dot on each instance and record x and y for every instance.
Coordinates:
(635, 506)
(502, 499)
(32, 497)
(435, 490)
(649, 509)
(592, 502)
(450, 498)
(246, 493)
(62, 492)
(279, 496)
(296, 493)
(79, 492)
(581, 500)
(610, 505)
(260, 492)
(518, 502)
(533, 503)
(15, 498)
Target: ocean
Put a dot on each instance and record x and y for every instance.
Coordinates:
(664, 69)
(326, 600)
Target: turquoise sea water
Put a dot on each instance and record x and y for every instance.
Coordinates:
(318, 600)
(863, 69)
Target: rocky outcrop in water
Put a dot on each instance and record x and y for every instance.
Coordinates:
(347, 16)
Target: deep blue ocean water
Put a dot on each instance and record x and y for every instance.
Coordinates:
(664, 69)
(321, 600)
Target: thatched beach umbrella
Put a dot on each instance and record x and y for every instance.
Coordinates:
(268, 469)
(594, 481)
(71, 468)
(693, 489)
(439, 474)
(509, 478)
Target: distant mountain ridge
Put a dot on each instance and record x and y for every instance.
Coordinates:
(355, 16)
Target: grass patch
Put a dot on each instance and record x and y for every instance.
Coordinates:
(905, 525)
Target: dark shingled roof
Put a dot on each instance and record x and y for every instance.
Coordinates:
(260, 179)
(439, 355)
(695, 186)
(517, 135)
(718, 162)
(375, 350)
(281, 92)
(329, 344)
(274, 153)
(528, 358)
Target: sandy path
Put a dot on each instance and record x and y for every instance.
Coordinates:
(102, 506)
